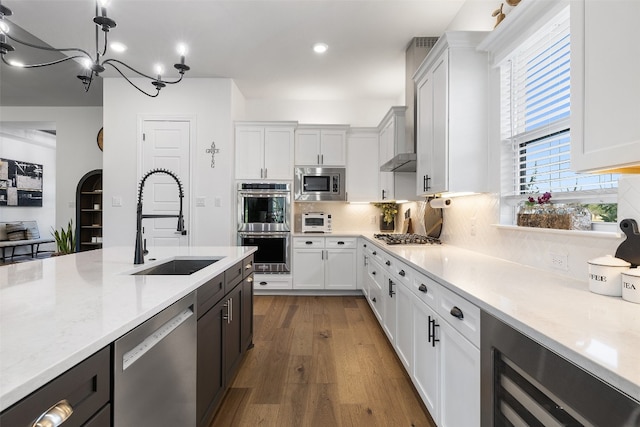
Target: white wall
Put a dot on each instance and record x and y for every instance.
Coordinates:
(76, 150)
(210, 102)
(360, 113)
(475, 15)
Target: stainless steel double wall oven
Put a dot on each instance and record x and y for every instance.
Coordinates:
(264, 211)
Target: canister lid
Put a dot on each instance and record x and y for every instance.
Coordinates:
(632, 272)
(609, 261)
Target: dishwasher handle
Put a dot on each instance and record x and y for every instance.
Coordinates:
(154, 338)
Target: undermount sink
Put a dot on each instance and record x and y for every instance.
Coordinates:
(176, 267)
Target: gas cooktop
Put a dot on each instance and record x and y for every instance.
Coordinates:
(407, 239)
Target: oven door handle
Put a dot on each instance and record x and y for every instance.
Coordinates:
(265, 194)
(265, 234)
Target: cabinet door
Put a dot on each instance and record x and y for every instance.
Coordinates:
(233, 348)
(249, 152)
(246, 325)
(210, 382)
(459, 379)
(440, 166)
(340, 272)
(307, 151)
(308, 268)
(389, 308)
(278, 153)
(333, 148)
(362, 167)
(424, 135)
(427, 360)
(605, 65)
(404, 331)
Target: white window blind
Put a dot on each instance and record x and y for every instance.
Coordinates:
(535, 108)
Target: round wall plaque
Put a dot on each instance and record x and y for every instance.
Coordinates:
(99, 138)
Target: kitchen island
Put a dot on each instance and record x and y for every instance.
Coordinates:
(56, 312)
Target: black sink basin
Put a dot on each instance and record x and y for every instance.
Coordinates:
(176, 267)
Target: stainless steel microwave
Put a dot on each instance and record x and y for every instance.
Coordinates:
(320, 184)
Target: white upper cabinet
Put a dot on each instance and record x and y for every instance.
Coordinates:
(264, 150)
(452, 105)
(605, 85)
(362, 165)
(321, 145)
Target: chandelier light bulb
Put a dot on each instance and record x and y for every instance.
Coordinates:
(87, 63)
(182, 49)
(15, 63)
(4, 27)
(104, 3)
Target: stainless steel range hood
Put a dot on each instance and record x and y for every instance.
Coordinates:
(403, 162)
(417, 50)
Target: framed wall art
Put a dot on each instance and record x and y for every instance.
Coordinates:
(20, 183)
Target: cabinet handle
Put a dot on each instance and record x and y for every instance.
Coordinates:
(427, 181)
(373, 272)
(383, 196)
(402, 273)
(341, 243)
(248, 266)
(266, 174)
(322, 159)
(54, 416)
(230, 310)
(366, 260)
(422, 288)
(308, 242)
(374, 299)
(375, 253)
(250, 279)
(388, 262)
(391, 291)
(263, 283)
(432, 332)
(364, 245)
(456, 312)
(225, 316)
(318, 158)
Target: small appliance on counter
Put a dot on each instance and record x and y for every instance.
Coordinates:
(316, 222)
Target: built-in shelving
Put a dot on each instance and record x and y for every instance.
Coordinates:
(89, 212)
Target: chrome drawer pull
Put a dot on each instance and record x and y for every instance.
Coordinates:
(422, 288)
(402, 273)
(54, 416)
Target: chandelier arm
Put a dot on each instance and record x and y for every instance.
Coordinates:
(53, 49)
(45, 64)
(111, 60)
(104, 51)
(108, 62)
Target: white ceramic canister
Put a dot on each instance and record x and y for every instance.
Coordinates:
(605, 275)
(631, 285)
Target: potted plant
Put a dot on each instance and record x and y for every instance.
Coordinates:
(540, 212)
(388, 215)
(65, 239)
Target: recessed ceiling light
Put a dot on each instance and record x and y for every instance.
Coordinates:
(320, 47)
(118, 47)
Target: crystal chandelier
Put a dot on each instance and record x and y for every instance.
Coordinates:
(93, 64)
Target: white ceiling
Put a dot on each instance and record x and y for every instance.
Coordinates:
(264, 46)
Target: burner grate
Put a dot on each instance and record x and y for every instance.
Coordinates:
(407, 239)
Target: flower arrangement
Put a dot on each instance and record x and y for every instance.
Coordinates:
(389, 211)
(542, 200)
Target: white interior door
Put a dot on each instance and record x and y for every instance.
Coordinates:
(165, 145)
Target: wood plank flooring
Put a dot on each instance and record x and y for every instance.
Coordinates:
(320, 362)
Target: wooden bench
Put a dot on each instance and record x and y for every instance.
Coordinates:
(30, 237)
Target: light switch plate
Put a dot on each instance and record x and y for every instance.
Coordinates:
(200, 202)
(116, 201)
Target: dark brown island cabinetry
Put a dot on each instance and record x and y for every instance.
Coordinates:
(225, 332)
(85, 388)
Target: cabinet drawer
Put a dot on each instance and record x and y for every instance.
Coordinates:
(425, 289)
(209, 294)
(262, 283)
(308, 242)
(86, 386)
(247, 266)
(233, 276)
(340, 242)
(401, 272)
(467, 321)
(377, 254)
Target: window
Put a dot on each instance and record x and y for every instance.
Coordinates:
(535, 108)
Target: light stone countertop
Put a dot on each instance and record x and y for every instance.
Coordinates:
(599, 333)
(56, 312)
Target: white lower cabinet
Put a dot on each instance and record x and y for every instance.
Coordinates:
(324, 263)
(268, 282)
(436, 335)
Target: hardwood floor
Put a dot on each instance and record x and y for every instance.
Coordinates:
(320, 361)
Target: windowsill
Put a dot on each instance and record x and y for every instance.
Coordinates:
(589, 233)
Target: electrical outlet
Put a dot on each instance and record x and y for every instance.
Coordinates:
(559, 261)
(372, 219)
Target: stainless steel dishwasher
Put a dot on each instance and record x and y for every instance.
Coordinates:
(155, 370)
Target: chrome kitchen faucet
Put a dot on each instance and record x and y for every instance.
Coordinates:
(139, 251)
